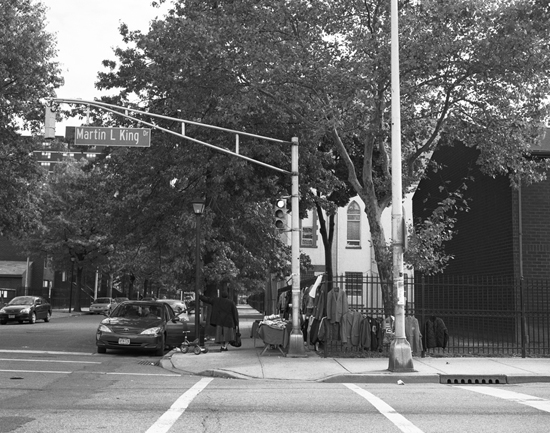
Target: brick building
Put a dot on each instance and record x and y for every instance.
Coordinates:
(501, 248)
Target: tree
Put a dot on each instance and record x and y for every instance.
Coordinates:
(471, 70)
(28, 74)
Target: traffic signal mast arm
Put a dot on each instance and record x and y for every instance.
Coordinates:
(50, 127)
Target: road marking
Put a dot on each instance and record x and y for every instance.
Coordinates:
(385, 409)
(35, 371)
(106, 373)
(528, 400)
(167, 420)
(47, 352)
(49, 360)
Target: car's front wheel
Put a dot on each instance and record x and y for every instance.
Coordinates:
(101, 349)
(32, 320)
(48, 315)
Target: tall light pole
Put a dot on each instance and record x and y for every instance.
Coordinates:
(296, 343)
(198, 209)
(71, 284)
(400, 350)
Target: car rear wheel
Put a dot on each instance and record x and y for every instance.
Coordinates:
(32, 320)
(3, 322)
(48, 315)
(101, 349)
(160, 350)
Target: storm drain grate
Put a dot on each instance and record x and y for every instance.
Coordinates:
(473, 379)
(155, 364)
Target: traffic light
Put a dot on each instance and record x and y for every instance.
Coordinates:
(280, 213)
(49, 123)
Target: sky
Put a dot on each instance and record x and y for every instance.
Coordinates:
(86, 33)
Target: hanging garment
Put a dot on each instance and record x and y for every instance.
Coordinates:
(435, 333)
(413, 334)
(337, 304)
(365, 333)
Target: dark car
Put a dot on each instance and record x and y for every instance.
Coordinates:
(140, 325)
(26, 309)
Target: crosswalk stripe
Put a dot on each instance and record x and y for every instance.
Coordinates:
(385, 409)
(528, 400)
(167, 420)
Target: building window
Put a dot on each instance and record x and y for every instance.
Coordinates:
(354, 284)
(354, 225)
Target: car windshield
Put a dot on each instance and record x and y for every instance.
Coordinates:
(132, 311)
(102, 301)
(22, 300)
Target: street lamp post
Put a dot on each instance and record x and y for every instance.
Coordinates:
(198, 209)
(400, 351)
(71, 285)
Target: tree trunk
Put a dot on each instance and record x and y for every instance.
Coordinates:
(327, 235)
(79, 274)
(382, 254)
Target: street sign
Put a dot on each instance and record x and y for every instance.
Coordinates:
(100, 136)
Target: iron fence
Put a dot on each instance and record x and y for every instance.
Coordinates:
(489, 316)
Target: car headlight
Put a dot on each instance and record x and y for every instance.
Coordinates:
(152, 331)
(25, 310)
(103, 328)
(2, 310)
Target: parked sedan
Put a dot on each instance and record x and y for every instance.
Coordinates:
(102, 305)
(177, 305)
(140, 325)
(26, 308)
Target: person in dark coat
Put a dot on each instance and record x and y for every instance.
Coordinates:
(224, 317)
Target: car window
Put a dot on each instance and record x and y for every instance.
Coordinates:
(102, 301)
(22, 300)
(127, 311)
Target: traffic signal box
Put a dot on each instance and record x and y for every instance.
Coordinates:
(49, 124)
(280, 214)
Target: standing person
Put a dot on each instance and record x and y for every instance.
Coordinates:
(224, 317)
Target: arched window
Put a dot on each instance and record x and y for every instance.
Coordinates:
(354, 225)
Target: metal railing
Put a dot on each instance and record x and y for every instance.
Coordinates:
(489, 316)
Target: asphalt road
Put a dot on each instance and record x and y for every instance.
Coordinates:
(51, 380)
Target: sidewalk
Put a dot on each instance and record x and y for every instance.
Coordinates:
(245, 362)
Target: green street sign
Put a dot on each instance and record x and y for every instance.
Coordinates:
(100, 136)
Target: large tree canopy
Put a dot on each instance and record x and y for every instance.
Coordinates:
(28, 74)
(471, 70)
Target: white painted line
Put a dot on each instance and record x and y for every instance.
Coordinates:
(35, 371)
(167, 420)
(385, 409)
(105, 373)
(47, 352)
(135, 374)
(528, 400)
(49, 360)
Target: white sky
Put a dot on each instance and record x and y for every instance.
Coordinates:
(86, 33)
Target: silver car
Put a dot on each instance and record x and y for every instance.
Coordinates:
(102, 306)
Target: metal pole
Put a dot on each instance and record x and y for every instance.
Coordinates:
(296, 344)
(198, 334)
(71, 285)
(400, 350)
